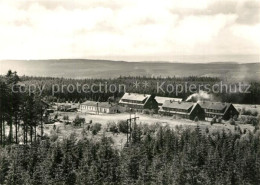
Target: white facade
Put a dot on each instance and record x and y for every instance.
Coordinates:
(98, 109)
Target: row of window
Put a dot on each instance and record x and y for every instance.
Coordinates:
(94, 108)
(132, 106)
(213, 110)
(180, 115)
(132, 101)
(174, 109)
(210, 115)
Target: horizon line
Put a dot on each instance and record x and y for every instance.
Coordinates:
(148, 61)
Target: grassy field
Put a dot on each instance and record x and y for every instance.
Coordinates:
(248, 107)
(64, 131)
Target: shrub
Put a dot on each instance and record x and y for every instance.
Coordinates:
(146, 111)
(58, 130)
(56, 116)
(232, 121)
(78, 121)
(152, 112)
(96, 128)
(248, 112)
(122, 126)
(214, 120)
(112, 127)
(249, 120)
(256, 128)
(65, 117)
(53, 136)
(219, 120)
(255, 113)
(84, 132)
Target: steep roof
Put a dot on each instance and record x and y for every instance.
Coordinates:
(135, 96)
(177, 105)
(161, 99)
(214, 105)
(100, 104)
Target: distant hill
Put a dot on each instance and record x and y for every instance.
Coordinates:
(83, 68)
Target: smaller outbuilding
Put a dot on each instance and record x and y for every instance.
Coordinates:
(98, 107)
(186, 110)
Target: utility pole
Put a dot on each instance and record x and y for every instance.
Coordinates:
(97, 109)
(41, 122)
(129, 124)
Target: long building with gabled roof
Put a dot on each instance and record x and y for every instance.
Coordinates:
(98, 107)
(138, 102)
(186, 110)
(218, 109)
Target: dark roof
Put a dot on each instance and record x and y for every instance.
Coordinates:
(214, 105)
(99, 104)
(161, 99)
(177, 105)
(135, 96)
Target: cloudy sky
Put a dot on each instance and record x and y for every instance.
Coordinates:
(128, 29)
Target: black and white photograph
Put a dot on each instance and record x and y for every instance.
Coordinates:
(130, 92)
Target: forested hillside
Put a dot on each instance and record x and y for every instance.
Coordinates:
(156, 155)
(87, 68)
(252, 97)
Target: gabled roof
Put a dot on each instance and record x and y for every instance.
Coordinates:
(99, 104)
(177, 105)
(135, 96)
(89, 103)
(161, 99)
(214, 105)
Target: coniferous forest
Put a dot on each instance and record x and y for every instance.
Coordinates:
(129, 92)
(156, 155)
(227, 94)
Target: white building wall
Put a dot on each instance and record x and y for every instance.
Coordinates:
(111, 110)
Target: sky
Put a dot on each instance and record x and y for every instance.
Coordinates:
(128, 29)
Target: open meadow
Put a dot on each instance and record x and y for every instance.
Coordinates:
(63, 131)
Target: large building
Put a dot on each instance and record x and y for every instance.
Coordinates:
(138, 102)
(186, 110)
(160, 100)
(98, 107)
(218, 109)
